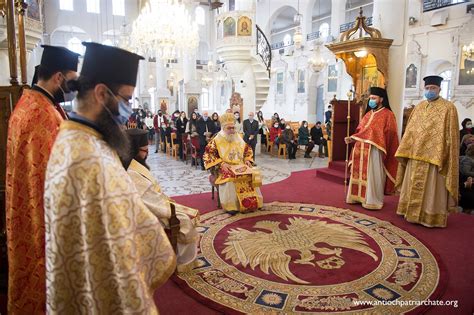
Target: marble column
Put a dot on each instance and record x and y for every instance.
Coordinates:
(338, 16)
(385, 15)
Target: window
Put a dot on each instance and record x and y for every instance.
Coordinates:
(231, 5)
(93, 6)
(301, 81)
(324, 30)
(280, 83)
(446, 84)
(75, 45)
(287, 40)
(118, 7)
(200, 16)
(205, 99)
(66, 5)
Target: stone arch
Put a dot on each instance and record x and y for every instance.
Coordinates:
(438, 66)
(275, 15)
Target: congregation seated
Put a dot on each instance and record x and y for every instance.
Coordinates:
(466, 176)
(288, 138)
(317, 137)
(275, 133)
(303, 138)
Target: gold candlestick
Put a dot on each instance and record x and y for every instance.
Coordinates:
(349, 96)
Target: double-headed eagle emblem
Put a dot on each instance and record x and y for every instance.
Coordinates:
(268, 248)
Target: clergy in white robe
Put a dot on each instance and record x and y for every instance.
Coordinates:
(158, 203)
(106, 252)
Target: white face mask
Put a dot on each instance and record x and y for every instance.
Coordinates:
(288, 127)
(276, 126)
(469, 125)
(305, 125)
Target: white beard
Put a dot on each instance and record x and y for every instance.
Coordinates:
(229, 138)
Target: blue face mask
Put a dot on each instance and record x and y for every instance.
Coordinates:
(430, 95)
(372, 104)
(125, 112)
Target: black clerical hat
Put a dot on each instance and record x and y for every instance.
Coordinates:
(138, 138)
(35, 76)
(56, 58)
(110, 65)
(378, 91)
(433, 80)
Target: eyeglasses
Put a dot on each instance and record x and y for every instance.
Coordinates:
(127, 100)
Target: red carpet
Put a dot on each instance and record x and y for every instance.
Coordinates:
(452, 244)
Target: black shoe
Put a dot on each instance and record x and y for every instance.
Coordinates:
(307, 156)
(232, 212)
(156, 151)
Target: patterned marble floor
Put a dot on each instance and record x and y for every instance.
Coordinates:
(178, 178)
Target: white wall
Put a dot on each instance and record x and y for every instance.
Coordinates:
(434, 49)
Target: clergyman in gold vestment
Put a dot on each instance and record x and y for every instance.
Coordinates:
(225, 151)
(159, 204)
(106, 252)
(428, 157)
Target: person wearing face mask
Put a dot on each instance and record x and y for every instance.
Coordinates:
(159, 123)
(466, 130)
(373, 165)
(428, 173)
(205, 129)
(104, 245)
(32, 129)
(282, 124)
(303, 139)
(317, 137)
(250, 128)
(159, 203)
(288, 138)
(181, 123)
(275, 133)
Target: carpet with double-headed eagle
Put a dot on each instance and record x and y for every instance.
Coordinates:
(307, 258)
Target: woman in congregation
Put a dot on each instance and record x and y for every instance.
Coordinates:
(149, 127)
(275, 133)
(238, 123)
(262, 128)
(303, 138)
(275, 118)
(191, 130)
(181, 123)
(217, 123)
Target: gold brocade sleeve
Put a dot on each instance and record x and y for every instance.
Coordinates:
(211, 155)
(450, 166)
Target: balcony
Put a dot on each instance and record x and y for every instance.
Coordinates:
(344, 27)
(280, 45)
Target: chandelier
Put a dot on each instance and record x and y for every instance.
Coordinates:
(164, 29)
(317, 62)
(468, 50)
